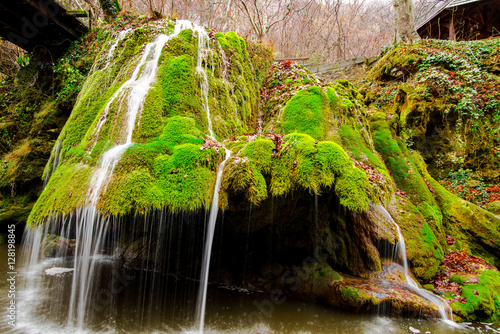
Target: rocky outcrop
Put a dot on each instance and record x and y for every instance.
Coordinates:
(300, 200)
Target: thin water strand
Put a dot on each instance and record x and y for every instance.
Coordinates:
(205, 269)
(139, 83)
(442, 307)
(111, 50)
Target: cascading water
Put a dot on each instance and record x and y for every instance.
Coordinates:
(444, 310)
(205, 269)
(90, 223)
(111, 50)
(56, 151)
(139, 83)
(90, 226)
(203, 49)
(86, 224)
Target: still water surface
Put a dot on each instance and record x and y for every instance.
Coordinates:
(140, 302)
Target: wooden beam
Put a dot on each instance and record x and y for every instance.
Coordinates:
(54, 17)
(77, 13)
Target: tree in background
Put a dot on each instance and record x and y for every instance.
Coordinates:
(404, 22)
(110, 8)
(324, 30)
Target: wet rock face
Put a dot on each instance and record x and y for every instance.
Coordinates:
(281, 231)
(306, 247)
(293, 228)
(56, 246)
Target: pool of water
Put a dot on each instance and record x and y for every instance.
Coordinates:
(142, 302)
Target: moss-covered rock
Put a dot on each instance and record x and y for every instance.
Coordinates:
(482, 298)
(341, 152)
(444, 97)
(171, 164)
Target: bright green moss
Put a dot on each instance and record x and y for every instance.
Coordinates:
(180, 92)
(459, 279)
(142, 155)
(260, 152)
(307, 174)
(483, 299)
(353, 142)
(181, 130)
(400, 162)
(223, 41)
(182, 180)
(473, 227)
(238, 43)
(357, 297)
(282, 176)
(85, 116)
(131, 191)
(149, 126)
(432, 243)
(352, 189)
(241, 176)
(426, 252)
(184, 156)
(166, 167)
(66, 190)
(333, 158)
(302, 143)
(305, 111)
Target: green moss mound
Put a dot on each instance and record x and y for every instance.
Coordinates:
(483, 299)
(171, 163)
(299, 162)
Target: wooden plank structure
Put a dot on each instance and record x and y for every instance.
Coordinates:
(303, 59)
(32, 24)
(319, 69)
(460, 20)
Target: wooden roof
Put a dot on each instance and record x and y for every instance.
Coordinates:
(477, 19)
(39, 23)
(440, 6)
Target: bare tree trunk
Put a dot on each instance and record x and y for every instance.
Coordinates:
(404, 24)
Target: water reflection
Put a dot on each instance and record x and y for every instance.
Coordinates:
(142, 302)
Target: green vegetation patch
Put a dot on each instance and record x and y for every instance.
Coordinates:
(305, 111)
(483, 299)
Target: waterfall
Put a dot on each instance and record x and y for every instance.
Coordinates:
(111, 50)
(205, 269)
(139, 83)
(443, 308)
(91, 225)
(56, 151)
(203, 49)
(88, 225)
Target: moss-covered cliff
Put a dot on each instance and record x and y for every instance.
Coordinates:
(314, 161)
(34, 107)
(440, 102)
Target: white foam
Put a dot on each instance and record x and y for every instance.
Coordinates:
(58, 271)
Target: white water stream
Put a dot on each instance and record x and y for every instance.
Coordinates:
(205, 269)
(112, 49)
(443, 308)
(203, 50)
(136, 88)
(90, 226)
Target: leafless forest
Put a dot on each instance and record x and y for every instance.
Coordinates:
(323, 30)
